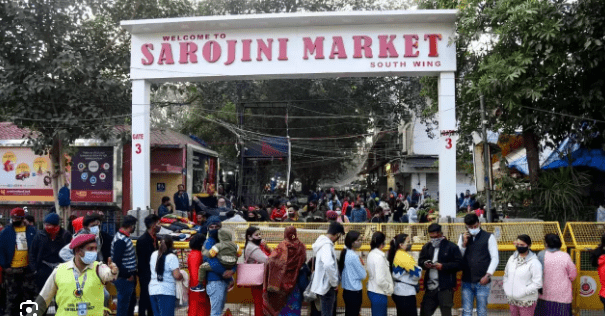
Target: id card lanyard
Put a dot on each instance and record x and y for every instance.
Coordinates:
(79, 290)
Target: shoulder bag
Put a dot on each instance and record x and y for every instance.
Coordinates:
(250, 274)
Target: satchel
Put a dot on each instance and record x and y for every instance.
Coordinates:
(250, 274)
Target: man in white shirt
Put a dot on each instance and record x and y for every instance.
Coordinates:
(326, 276)
(480, 259)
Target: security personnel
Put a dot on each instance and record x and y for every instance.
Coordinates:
(78, 284)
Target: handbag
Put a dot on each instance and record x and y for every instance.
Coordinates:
(250, 274)
(308, 295)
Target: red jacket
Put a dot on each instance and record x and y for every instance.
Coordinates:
(199, 303)
(278, 213)
(601, 270)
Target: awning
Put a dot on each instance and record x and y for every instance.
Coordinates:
(594, 158)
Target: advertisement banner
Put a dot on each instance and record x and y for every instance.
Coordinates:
(204, 174)
(92, 174)
(24, 176)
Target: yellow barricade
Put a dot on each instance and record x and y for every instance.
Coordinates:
(582, 238)
(505, 233)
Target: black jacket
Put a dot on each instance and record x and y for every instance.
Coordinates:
(145, 247)
(45, 251)
(106, 240)
(449, 256)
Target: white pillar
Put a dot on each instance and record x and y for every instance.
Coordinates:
(447, 153)
(140, 176)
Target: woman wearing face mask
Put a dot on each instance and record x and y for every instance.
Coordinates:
(164, 273)
(352, 274)
(342, 218)
(405, 274)
(256, 251)
(522, 278)
(380, 283)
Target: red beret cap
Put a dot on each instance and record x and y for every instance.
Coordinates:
(17, 211)
(81, 240)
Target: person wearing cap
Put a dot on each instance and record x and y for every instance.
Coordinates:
(15, 241)
(44, 254)
(124, 256)
(77, 285)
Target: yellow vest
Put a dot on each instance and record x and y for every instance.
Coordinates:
(93, 293)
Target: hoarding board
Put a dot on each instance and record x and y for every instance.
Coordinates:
(204, 174)
(92, 174)
(24, 176)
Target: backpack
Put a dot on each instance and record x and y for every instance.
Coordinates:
(64, 198)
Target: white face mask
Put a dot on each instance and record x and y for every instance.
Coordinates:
(339, 213)
(474, 231)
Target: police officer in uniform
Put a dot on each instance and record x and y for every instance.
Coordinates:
(77, 285)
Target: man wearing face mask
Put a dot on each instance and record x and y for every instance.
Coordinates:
(77, 285)
(480, 259)
(146, 245)
(44, 254)
(441, 259)
(18, 279)
(92, 225)
(123, 254)
(326, 277)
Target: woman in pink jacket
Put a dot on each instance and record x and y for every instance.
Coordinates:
(559, 274)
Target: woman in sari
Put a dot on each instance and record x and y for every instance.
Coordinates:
(282, 294)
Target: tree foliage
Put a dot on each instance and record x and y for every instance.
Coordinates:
(65, 65)
(535, 61)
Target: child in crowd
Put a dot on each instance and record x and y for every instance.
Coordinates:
(226, 251)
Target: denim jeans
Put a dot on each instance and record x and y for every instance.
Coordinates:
(327, 303)
(125, 290)
(469, 292)
(163, 305)
(217, 291)
(379, 303)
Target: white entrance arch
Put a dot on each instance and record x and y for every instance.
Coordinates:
(299, 45)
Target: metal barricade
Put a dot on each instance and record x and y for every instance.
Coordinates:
(582, 238)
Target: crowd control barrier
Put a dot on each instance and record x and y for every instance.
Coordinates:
(581, 238)
(240, 301)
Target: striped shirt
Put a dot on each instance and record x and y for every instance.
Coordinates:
(123, 254)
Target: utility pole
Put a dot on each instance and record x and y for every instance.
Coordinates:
(487, 163)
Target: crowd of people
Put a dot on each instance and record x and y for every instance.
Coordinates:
(55, 268)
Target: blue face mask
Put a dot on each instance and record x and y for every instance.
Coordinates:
(89, 257)
(94, 230)
(213, 233)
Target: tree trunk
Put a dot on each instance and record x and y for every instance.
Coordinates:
(530, 141)
(57, 162)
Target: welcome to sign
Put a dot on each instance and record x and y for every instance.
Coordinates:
(273, 46)
(301, 45)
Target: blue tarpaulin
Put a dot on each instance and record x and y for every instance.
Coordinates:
(267, 147)
(547, 157)
(593, 158)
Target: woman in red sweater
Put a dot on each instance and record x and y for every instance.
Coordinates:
(598, 260)
(199, 303)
